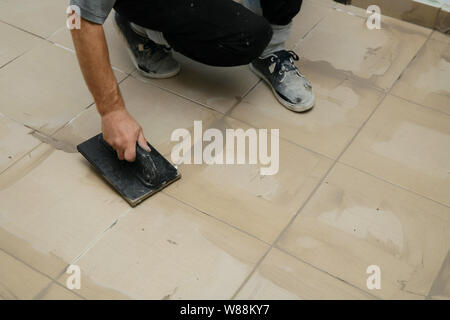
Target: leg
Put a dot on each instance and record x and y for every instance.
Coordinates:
(279, 13)
(214, 32)
(276, 65)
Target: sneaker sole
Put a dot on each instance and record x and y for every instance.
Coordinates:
(150, 75)
(288, 105)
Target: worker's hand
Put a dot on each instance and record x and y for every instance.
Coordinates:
(121, 132)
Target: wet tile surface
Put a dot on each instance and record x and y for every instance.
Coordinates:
(53, 226)
(44, 88)
(427, 80)
(178, 252)
(408, 145)
(355, 221)
(341, 108)
(374, 56)
(238, 194)
(281, 276)
(38, 17)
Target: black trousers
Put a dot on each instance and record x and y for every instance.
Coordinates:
(214, 32)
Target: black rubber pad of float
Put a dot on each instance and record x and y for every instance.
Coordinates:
(123, 175)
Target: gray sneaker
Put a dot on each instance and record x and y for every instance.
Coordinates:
(152, 60)
(290, 87)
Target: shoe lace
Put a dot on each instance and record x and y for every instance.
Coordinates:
(149, 48)
(284, 63)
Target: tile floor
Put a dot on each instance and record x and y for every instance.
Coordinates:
(364, 177)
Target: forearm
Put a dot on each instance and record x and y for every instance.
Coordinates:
(93, 56)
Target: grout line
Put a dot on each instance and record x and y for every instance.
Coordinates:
(310, 30)
(440, 273)
(25, 263)
(284, 139)
(83, 252)
(393, 184)
(326, 272)
(54, 33)
(26, 31)
(308, 199)
(420, 105)
(52, 280)
(19, 159)
(228, 113)
(422, 47)
(100, 236)
(78, 114)
(63, 47)
(14, 59)
(215, 218)
(56, 283)
(385, 94)
(46, 289)
(154, 84)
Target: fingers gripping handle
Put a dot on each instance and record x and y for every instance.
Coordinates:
(146, 169)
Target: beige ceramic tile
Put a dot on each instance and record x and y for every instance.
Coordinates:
(436, 35)
(164, 249)
(441, 286)
(58, 292)
(14, 43)
(116, 46)
(282, 277)
(407, 145)
(427, 80)
(343, 43)
(158, 112)
(348, 9)
(15, 142)
(44, 88)
(355, 221)
(341, 108)
(18, 281)
(53, 205)
(42, 17)
(239, 195)
(216, 87)
(310, 14)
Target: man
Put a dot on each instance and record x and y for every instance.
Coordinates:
(214, 32)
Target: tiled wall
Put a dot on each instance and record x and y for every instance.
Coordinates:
(428, 13)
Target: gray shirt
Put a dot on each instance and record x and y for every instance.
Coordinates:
(94, 10)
